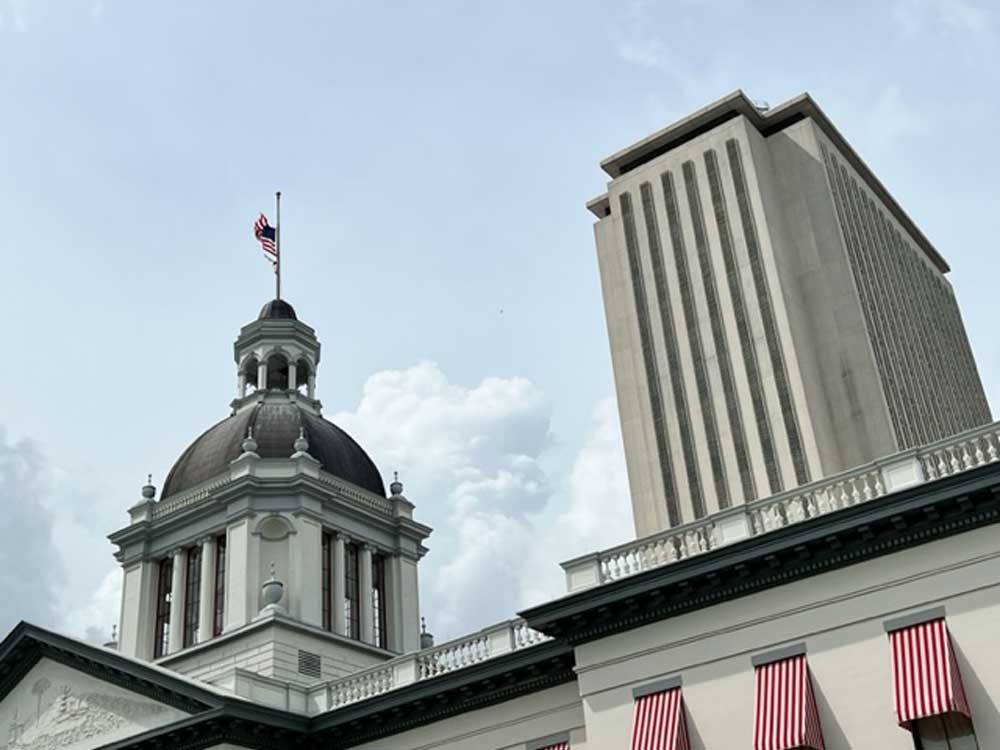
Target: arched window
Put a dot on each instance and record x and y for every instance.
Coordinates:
(302, 373)
(249, 373)
(277, 372)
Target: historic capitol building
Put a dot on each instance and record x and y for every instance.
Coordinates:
(815, 480)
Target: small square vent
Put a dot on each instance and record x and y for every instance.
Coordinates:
(309, 664)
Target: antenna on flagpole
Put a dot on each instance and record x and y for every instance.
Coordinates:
(277, 239)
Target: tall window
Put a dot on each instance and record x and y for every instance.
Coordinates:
(192, 596)
(379, 601)
(219, 610)
(327, 582)
(947, 732)
(162, 630)
(352, 600)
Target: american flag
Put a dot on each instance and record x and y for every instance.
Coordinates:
(265, 234)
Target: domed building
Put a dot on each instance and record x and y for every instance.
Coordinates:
(273, 545)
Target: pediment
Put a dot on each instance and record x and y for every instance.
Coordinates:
(55, 706)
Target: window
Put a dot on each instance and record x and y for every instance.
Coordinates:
(327, 582)
(219, 612)
(352, 613)
(952, 731)
(162, 630)
(378, 601)
(192, 596)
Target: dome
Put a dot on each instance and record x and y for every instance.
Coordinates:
(277, 309)
(275, 428)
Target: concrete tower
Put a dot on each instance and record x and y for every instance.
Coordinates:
(775, 317)
(274, 548)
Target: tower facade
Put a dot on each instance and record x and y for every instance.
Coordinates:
(774, 315)
(273, 547)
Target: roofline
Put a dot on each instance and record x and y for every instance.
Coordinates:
(767, 123)
(907, 518)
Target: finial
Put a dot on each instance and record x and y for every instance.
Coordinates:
(396, 488)
(148, 490)
(423, 624)
(114, 633)
(301, 445)
(249, 445)
(149, 479)
(272, 569)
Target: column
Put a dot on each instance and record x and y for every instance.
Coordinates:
(262, 376)
(365, 585)
(337, 573)
(292, 375)
(241, 385)
(311, 387)
(176, 642)
(239, 578)
(206, 610)
(138, 610)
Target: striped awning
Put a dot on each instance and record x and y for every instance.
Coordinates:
(926, 680)
(785, 713)
(557, 746)
(658, 723)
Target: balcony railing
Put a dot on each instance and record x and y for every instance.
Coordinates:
(959, 453)
(500, 639)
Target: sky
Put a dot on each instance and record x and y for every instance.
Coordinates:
(434, 159)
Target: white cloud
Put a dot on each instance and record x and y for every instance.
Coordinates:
(30, 563)
(914, 16)
(471, 458)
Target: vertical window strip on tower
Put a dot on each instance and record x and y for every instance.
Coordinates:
(219, 609)
(679, 251)
(327, 580)
(960, 376)
(936, 377)
(163, 596)
(379, 604)
(767, 314)
(352, 600)
(719, 338)
(673, 355)
(886, 374)
(735, 285)
(907, 316)
(886, 267)
(877, 271)
(711, 302)
(192, 595)
(649, 361)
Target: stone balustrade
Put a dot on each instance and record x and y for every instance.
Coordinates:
(959, 453)
(503, 638)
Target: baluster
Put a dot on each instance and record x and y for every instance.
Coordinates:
(942, 464)
(966, 457)
(955, 465)
(979, 456)
(991, 447)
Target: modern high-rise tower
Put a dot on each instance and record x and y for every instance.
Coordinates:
(775, 317)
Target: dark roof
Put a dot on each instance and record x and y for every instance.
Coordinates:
(275, 428)
(277, 309)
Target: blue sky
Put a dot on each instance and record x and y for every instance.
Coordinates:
(435, 158)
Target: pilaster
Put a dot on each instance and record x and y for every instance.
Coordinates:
(206, 610)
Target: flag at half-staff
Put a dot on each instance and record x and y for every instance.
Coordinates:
(267, 236)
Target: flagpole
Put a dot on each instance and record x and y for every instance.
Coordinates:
(277, 238)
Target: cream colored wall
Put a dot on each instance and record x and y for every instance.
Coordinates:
(839, 616)
(506, 726)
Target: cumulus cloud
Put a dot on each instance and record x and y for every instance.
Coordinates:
(30, 564)
(473, 461)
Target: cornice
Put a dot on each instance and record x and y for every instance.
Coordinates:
(846, 537)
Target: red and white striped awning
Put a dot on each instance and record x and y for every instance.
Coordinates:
(557, 746)
(785, 713)
(658, 723)
(925, 676)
